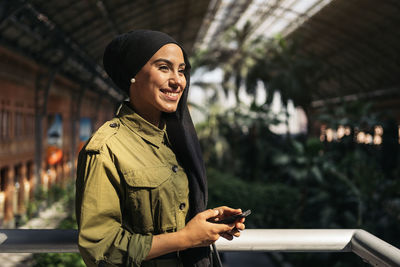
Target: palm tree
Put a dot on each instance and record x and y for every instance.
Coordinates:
(283, 69)
(235, 57)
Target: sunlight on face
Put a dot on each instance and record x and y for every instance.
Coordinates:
(159, 84)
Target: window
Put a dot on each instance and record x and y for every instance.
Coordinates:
(29, 127)
(18, 124)
(4, 124)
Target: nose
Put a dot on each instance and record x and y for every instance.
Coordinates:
(177, 79)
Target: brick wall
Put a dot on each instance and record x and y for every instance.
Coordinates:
(18, 81)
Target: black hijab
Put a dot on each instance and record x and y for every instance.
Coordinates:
(123, 58)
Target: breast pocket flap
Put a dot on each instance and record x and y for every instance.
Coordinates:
(150, 177)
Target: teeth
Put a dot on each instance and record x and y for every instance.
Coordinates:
(171, 94)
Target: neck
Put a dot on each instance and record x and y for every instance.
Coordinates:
(150, 115)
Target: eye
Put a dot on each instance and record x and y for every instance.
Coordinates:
(182, 71)
(163, 67)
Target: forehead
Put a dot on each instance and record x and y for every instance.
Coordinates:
(170, 52)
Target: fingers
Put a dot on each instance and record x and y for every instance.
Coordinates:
(224, 228)
(230, 234)
(224, 210)
(235, 232)
(202, 231)
(240, 226)
(210, 213)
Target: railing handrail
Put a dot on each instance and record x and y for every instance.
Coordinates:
(372, 249)
(38, 240)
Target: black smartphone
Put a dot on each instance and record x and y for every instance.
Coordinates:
(234, 218)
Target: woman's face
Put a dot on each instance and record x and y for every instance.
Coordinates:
(159, 84)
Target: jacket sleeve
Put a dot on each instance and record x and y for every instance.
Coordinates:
(98, 208)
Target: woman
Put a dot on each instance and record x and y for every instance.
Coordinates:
(141, 184)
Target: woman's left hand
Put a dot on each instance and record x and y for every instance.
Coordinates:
(225, 212)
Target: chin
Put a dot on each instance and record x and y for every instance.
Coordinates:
(169, 108)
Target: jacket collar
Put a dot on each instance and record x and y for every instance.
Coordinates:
(149, 132)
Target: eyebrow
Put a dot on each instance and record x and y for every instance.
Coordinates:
(168, 62)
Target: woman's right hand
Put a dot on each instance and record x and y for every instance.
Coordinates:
(198, 232)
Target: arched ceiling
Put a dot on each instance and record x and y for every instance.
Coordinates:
(71, 34)
(359, 39)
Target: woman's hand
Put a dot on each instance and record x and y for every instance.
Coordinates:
(224, 212)
(200, 232)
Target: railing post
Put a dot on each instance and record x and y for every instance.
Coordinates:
(374, 250)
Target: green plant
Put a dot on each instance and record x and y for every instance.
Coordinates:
(235, 56)
(302, 182)
(58, 260)
(67, 194)
(273, 205)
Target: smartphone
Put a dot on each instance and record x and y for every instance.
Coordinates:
(234, 218)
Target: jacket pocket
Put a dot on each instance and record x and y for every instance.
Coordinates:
(149, 198)
(150, 177)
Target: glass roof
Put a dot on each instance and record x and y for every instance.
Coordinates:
(268, 18)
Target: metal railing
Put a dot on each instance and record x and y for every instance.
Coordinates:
(372, 249)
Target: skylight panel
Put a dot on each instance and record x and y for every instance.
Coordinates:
(282, 18)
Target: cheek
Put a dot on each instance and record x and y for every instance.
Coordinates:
(159, 80)
(184, 83)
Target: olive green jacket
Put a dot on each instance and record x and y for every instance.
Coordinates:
(129, 187)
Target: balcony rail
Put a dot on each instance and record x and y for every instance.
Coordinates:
(370, 248)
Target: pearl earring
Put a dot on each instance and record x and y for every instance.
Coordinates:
(133, 80)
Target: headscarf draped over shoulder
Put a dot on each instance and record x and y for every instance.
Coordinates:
(123, 58)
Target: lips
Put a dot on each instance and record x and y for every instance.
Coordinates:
(170, 95)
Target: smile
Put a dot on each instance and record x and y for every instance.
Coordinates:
(171, 96)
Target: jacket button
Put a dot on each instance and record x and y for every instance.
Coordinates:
(113, 125)
(174, 168)
(182, 206)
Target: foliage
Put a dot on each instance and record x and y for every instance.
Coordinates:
(235, 56)
(302, 182)
(340, 184)
(278, 64)
(62, 259)
(58, 260)
(357, 114)
(43, 198)
(232, 138)
(263, 199)
(38, 201)
(282, 68)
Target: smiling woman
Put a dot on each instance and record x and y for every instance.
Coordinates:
(159, 85)
(141, 188)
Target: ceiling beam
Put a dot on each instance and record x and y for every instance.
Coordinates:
(233, 11)
(9, 8)
(102, 9)
(213, 7)
(45, 26)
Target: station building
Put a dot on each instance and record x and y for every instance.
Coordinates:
(60, 137)
(54, 92)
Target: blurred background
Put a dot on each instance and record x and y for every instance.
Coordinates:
(296, 104)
